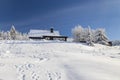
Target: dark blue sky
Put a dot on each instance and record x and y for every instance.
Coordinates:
(63, 15)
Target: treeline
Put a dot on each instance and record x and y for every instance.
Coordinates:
(13, 34)
(80, 34)
(89, 35)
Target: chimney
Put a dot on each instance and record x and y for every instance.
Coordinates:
(52, 30)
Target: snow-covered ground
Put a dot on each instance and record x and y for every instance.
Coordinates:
(47, 60)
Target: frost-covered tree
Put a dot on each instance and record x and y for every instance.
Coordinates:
(79, 33)
(20, 36)
(89, 35)
(100, 36)
(25, 36)
(1, 35)
(116, 43)
(8, 35)
(89, 38)
(13, 33)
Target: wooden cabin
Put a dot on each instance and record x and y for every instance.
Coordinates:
(46, 34)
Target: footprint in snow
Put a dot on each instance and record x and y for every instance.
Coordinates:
(35, 76)
(54, 76)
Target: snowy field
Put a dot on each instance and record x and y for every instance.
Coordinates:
(46, 60)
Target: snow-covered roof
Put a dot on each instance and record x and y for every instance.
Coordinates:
(40, 33)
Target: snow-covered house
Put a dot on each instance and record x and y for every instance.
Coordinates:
(46, 34)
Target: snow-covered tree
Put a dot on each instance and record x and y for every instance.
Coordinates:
(25, 36)
(13, 33)
(79, 33)
(116, 43)
(8, 35)
(1, 35)
(89, 38)
(89, 35)
(100, 36)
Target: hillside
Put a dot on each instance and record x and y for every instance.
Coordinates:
(47, 60)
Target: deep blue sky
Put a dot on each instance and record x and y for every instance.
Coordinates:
(63, 15)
